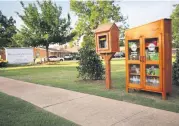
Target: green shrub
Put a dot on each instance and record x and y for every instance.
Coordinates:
(175, 69)
(3, 63)
(90, 65)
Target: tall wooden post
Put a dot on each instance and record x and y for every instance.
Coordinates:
(107, 59)
(107, 44)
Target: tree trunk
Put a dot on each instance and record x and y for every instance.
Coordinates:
(47, 54)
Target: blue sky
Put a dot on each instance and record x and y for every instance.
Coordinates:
(138, 12)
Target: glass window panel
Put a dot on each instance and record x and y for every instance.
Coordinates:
(134, 73)
(134, 49)
(152, 75)
(151, 49)
(102, 41)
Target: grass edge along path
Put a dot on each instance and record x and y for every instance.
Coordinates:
(65, 77)
(16, 112)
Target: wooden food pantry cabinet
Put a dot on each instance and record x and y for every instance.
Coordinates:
(149, 57)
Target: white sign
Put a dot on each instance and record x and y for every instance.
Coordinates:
(151, 47)
(134, 47)
(19, 55)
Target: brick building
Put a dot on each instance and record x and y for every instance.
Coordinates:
(41, 52)
(2, 54)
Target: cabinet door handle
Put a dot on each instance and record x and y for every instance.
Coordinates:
(140, 58)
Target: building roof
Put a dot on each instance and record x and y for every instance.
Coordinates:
(122, 48)
(63, 50)
(73, 49)
(53, 49)
(49, 49)
(104, 27)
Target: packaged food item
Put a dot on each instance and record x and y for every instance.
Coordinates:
(157, 81)
(153, 71)
(154, 42)
(135, 79)
(154, 56)
(134, 56)
(138, 79)
(151, 51)
(137, 70)
(130, 44)
(157, 72)
(131, 80)
(146, 54)
(133, 69)
(147, 71)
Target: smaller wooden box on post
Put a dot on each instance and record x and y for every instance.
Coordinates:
(107, 44)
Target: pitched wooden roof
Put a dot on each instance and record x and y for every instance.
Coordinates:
(104, 27)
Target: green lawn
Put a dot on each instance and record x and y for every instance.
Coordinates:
(16, 112)
(64, 75)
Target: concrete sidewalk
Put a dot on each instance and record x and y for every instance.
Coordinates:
(85, 109)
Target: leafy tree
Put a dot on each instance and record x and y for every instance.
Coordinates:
(7, 30)
(175, 25)
(43, 25)
(175, 75)
(90, 15)
(122, 33)
(18, 40)
(71, 44)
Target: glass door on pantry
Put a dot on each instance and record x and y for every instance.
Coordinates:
(151, 60)
(133, 63)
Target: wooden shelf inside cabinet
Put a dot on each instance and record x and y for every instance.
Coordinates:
(151, 84)
(135, 74)
(152, 75)
(133, 61)
(152, 62)
(152, 88)
(135, 83)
